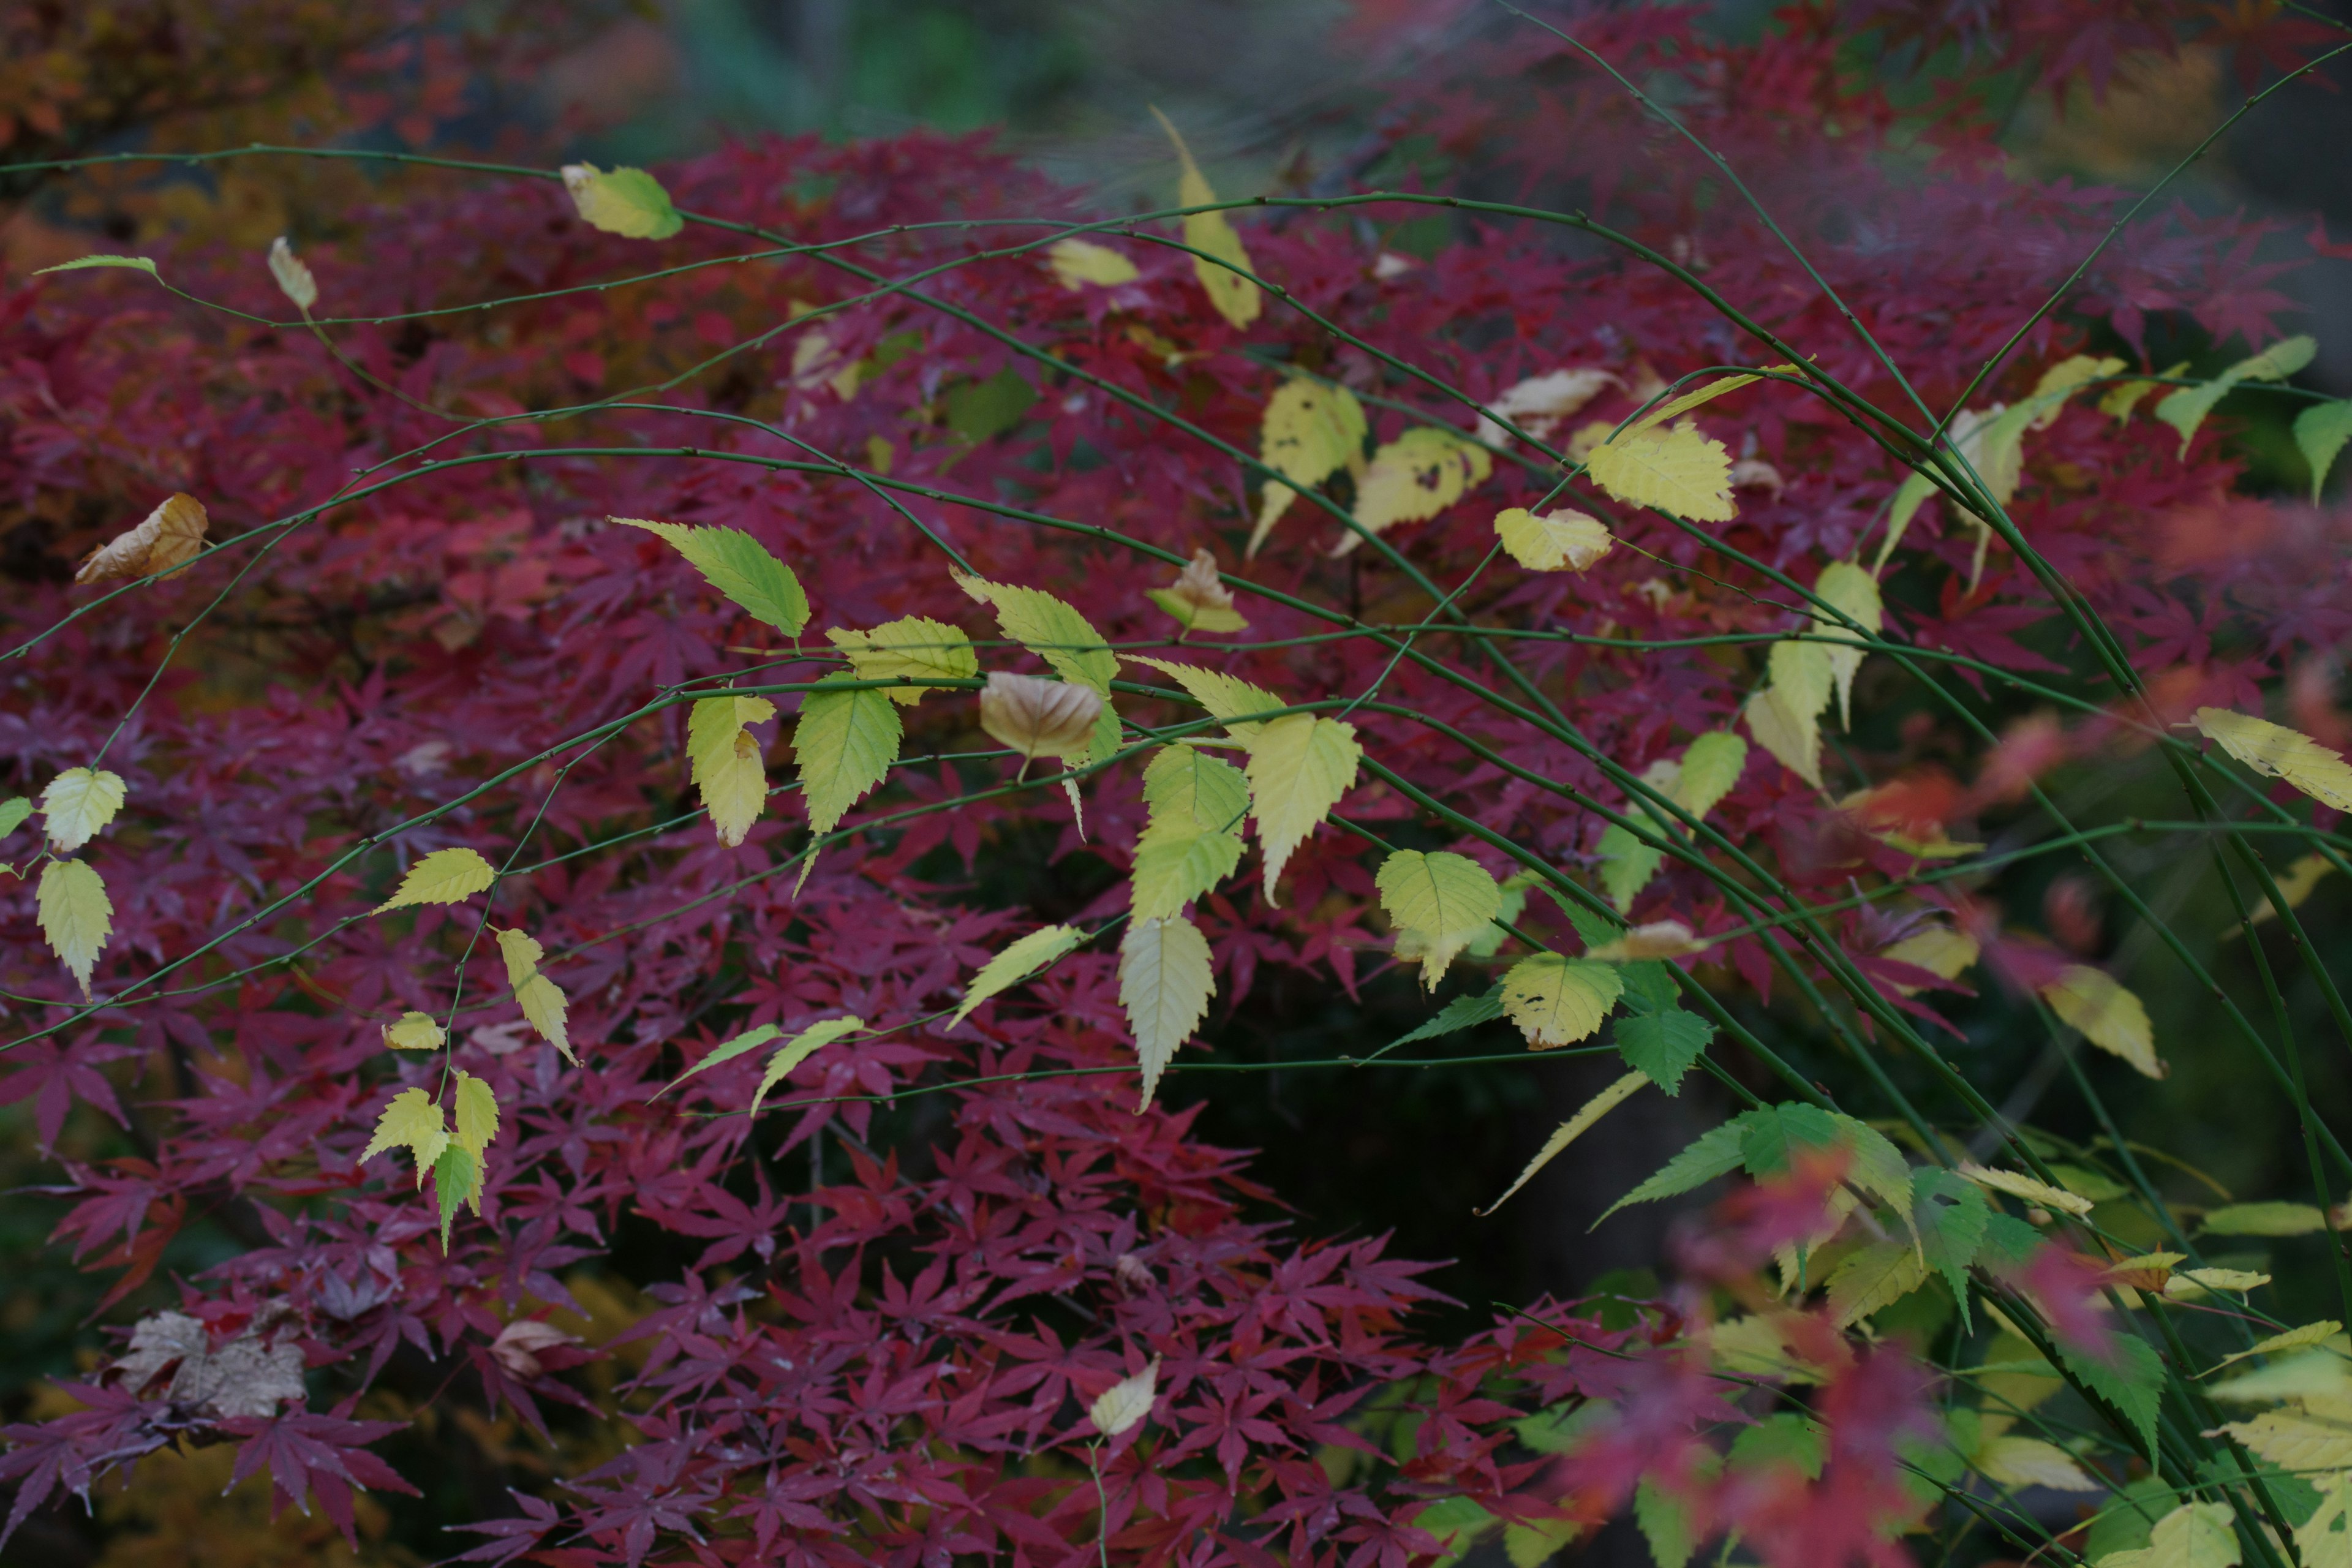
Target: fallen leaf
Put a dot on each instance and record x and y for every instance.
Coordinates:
(161, 543)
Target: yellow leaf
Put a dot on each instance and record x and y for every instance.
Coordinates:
(541, 1000)
(2314, 1375)
(1078, 262)
(1562, 540)
(78, 804)
(908, 648)
(1165, 982)
(1299, 767)
(1225, 696)
(1558, 1001)
(845, 742)
(77, 917)
(164, 541)
(293, 276)
(2109, 1017)
(626, 202)
(1658, 939)
(1877, 1276)
(1311, 430)
(2279, 752)
(798, 1049)
(444, 876)
(2325, 1540)
(477, 1114)
(1681, 470)
(1570, 1131)
(2030, 1462)
(2194, 1536)
(1015, 964)
(1236, 299)
(413, 1031)
(1036, 717)
(2186, 408)
(1697, 395)
(1441, 900)
(1192, 840)
(1124, 1402)
(724, 759)
(1198, 599)
(1709, 769)
(2265, 1219)
(1415, 477)
(1697, 782)
(2309, 1334)
(2017, 1185)
(1539, 403)
(412, 1121)
(522, 953)
(2295, 1442)
(1938, 950)
(1785, 714)
(1846, 587)
(2124, 397)
(1756, 1347)
(2062, 380)
(2295, 885)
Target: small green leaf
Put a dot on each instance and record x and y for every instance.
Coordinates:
(1015, 964)
(1663, 1045)
(798, 1049)
(13, 814)
(1787, 1439)
(626, 202)
(135, 263)
(1462, 1012)
(739, 566)
(456, 1180)
(2131, 1381)
(2320, 432)
(741, 1045)
(846, 743)
(979, 409)
(1774, 1133)
(1949, 1213)
(1715, 1153)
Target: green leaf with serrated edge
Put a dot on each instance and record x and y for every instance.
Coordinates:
(457, 1181)
(1184, 786)
(1557, 1000)
(1715, 1153)
(1949, 1213)
(741, 1045)
(76, 916)
(2184, 410)
(845, 742)
(1711, 767)
(544, 1006)
(2007, 1241)
(1570, 1131)
(1223, 696)
(475, 1114)
(1300, 768)
(1054, 631)
(739, 566)
(2124, 1521)
(1775, 1132)
(414, 1031)
(1165, 982)
(1017, 962)
(1879, 1168)
(798, 1049)
(2131, 1381)
(444, 876)
(2320, 432)
(134, 263)
(79, 803)
(13, 814)
(1442, 899)
(1171, 870)
(411, 1120)
(1462, 1012)
(1649, 985)
(909, 648)
(1664, 1520)
(1847, 588)
(1787, 1439)
(1663, 1045)
(1592, 927)
(1876, 1275)
(522, 952)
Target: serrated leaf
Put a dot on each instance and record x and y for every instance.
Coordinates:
(1530, 1542)
(522, 953)
(1793, 739)
(625, 201)
(78, 804)
(2029, 1189)
(1165, 980)
(134, 263)
(1017, 962)
(1561, 541)
(1462, 1012)
(911, 647)
(2064, 379)
(412, 1121)
(2186, 409)
(1664, 1522)
(740, 567)
(476, 1114)
(2030, 1462)
(1663, 1045)
(1847, 588)
(1680, 470)
(2194, 1536)
(544, 1004)
(2277, 752)
(1786, 1440)
(2295, 1442)
(724, 760)
(1125, 1403)
(2320, 432)
(1236, 298)
(456, 1182)
(1771, 1135)
(413, 1031)
(1078, 262)
(1310, 431)
(1414, 478)
(2315, 1378)
(2325, 1539)
(2265, 1219)
(1877, 1276)
(741, 1045)
(2131, 1381)
(1225, 697)
(1440, 899)
(444, 876)
(1558, 1001)
(1172, 869)
(1714, 1153)
(1187, 790)
(2109, 1017)
(76, 915)
(2309, 1334)
(13, 813)
(798, 1049)
(845, 742)
(1300, 768)
(1570, 1131)
(1949, 1215)
(1878, 1165)
(2127, 1521)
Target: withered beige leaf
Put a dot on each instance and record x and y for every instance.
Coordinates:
(1198, 599)
(1037, 717)
(242, 1377)
(164, 543)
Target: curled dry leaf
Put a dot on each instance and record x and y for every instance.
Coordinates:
(1537, 404)
(293, 275)
(243, 1377)
(1198, 599)
(1659, 939)
(518, 1343)
(162, 543)
(1037, 717)
(1562, 540)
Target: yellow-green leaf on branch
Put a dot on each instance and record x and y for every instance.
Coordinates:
(1680, 470)
(739, 566)
(1562, 540)
(76, 915)
(1236, 299)
(798, 1049)
(1193, 839)
(1853, 593)
(1015, 964)
(624, 201)
(2277, 752)
(1570, 1131)
(911, 648)
(78, 804)
(1414, 478)
(1055, 632)
(412, 1121)
(444, 876)
(1557, 1000)
(1078, 262)
(542, 1001)
(1439, 901)
(1299, 767)
(414, 1031)
(2186, 409)
(845, 742)
(1225, 696)
(2109, 1017)
(457, 1182)
(2320, 432)
(476, 1114)
(1311, 430)
(1165, 982)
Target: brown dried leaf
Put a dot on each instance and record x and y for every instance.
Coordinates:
(1037, 717)
(165, 542)
(1659, 939)
(1197, 600)
(518, 1343)
(243, 1377)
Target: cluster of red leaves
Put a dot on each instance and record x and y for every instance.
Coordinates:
(896, 1370)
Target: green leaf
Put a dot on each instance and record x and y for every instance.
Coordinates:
(741, 1045)
(1665, 1519)
(1439, 901)
(1879, 1168)
(1174, 868)
(1715, 1153)
(79, 803)
(739, 566)
(625, 201)
(908, 648)
(13, 814)
(1223, 696)
(1775, 1132)
(456, 1180)
(1786, 1438)
(444, 876)
(1650, 985)
(477, 1115)
(135, 263)
(1462, 1012)
(1663, 1045)
(1300, 768)
(1557, 1000)
(1591, 926)
(2186, 409)
(798, 1049)
(1186, 787)
(2123, 1523)
(979, 409)
(76, 916)
(1873, 1276)
(1949, 1213)
(1456, 1522)
(2007, 1241)
(1192, 842)
(1017, 962)
(2132, 1381)
(1165, 982)
(846, 743)
(2320, 432)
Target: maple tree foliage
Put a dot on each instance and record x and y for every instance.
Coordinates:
(460, 844)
